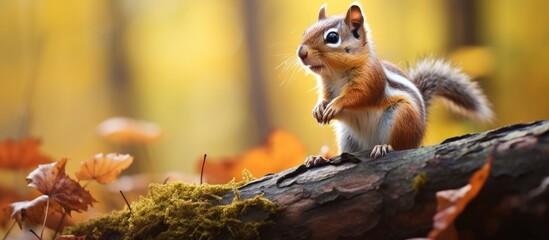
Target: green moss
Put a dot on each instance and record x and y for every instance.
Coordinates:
(183, 211)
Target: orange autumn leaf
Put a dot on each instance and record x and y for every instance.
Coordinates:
(7, 196)
(33, 212)
(104, 168)
(50, 179)
(217, 171)
(22, 154)
(450, 203)
(128, 130)
(282, 150)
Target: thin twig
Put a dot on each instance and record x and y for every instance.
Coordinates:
(34, 233)
(9, 230)
(202, 170)
(45, 217)
(58, 227)
(126, 200)
(166, 179)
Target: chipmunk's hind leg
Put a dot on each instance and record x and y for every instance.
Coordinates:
(407, 128)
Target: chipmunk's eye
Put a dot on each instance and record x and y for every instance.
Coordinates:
(331, 38)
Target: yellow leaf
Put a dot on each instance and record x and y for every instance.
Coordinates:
(104, 168)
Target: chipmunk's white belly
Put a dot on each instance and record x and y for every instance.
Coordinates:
(361, 130)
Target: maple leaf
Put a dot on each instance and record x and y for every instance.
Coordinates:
(50, 179)
(104, 168)
(450, 203)
(282, 150)
(128, 130)
(23, 154)
(33, 212)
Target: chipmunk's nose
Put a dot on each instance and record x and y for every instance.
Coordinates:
(302, 51)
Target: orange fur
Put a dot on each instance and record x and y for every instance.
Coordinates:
(408, 129)
(364, 90)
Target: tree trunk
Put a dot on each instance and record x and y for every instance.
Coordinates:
(394, 197)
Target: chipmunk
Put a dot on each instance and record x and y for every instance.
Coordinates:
(375, 104)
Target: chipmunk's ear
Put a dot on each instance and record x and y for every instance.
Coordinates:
(354, 18)
(322, 12)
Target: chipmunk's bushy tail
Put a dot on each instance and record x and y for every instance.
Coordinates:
(439, 78)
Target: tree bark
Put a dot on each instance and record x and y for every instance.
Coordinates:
(394, 197)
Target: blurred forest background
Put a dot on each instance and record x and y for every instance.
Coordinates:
(218, 76)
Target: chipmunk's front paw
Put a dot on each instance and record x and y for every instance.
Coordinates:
(380, 150)
(318, 111)
(330, 112)
(315, 161)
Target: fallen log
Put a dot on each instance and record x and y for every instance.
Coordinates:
(393, 197)
(355, 197)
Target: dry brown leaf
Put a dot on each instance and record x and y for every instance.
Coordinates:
(23, 154)
(104, 168)
(281, 151)
(50, 179)
(33, 212)
(20, 211)
(128, 130)
(450, 203)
